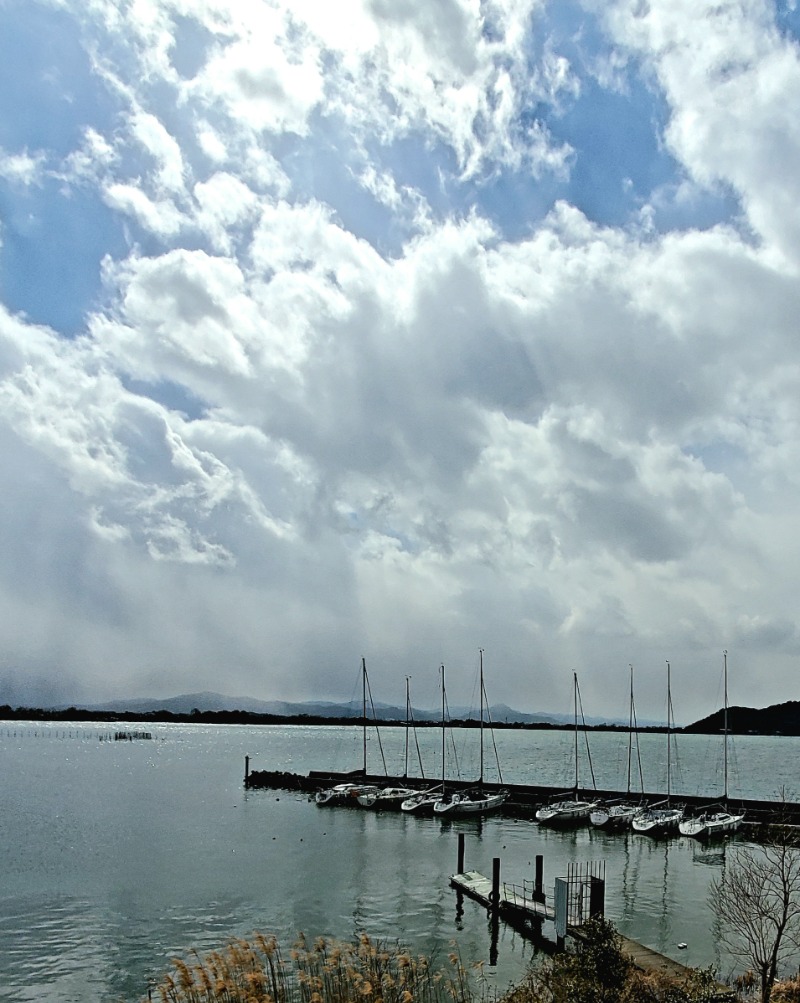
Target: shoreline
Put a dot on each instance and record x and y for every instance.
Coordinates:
(9, 715)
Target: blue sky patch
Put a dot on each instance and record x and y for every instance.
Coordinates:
(51, 252)
(48, 93)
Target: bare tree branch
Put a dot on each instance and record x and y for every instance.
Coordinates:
(757, 903)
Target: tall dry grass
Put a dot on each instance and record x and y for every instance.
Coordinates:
(326, 971)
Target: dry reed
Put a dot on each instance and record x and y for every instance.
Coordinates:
(326, 971)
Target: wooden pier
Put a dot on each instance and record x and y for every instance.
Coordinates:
(511, 900)
(526, 915)
(524, 907)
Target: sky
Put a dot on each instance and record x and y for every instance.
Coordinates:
(400, 330)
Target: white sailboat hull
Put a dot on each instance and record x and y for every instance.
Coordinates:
(565, 812)
(468, 803)
(388, 798)
(711, 824)
(422, 803)
(657, 821)
(615, 816)
(343, 794)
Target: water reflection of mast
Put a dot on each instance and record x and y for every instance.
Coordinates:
(665, 924)
(716, 925)
(630, 879)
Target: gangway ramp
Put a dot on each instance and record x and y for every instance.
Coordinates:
(512, 899)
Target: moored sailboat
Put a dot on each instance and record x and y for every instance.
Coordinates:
(620, 814)
(423, 802)
(565, 812)
(719, 820)
(349, 793)
(663, 818)
(387, 798)
(659, 819)
(477, 801)
(344, 794)
(471, 802)
(570, 810)
(391, 798)
(710, 823)
(614, 815)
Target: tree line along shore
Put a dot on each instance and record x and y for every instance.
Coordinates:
(779, 719)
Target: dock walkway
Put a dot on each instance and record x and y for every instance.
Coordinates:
(514, 905)
(479, 887)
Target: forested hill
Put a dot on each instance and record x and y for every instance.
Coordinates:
(779, 719)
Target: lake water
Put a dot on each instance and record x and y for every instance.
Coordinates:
(117, 856)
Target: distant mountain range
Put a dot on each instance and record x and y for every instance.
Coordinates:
(783, 718)
(778, 719)
(215, 702)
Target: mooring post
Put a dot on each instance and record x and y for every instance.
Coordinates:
(538, 887)
(460, 870)
(246, 768)
(494, 901)
(538, 895)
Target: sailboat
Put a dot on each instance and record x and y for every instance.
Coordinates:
(719, 822)
(423, 802)
(391, 798)
(620, 814)
(477, 801)
(348, 793)
(570, 810)
(662, 818)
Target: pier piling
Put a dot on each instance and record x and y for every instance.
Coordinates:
(538, 887)
(495, 916)
(495, 896)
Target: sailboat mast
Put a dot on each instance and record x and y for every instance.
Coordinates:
(444, 705)
(575, 709)
(725, 747)
(408, 715)
(669, 725)
(481, 684)
(630, 732)
(364, 710)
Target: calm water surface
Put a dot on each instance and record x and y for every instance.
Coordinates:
(117, 856)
